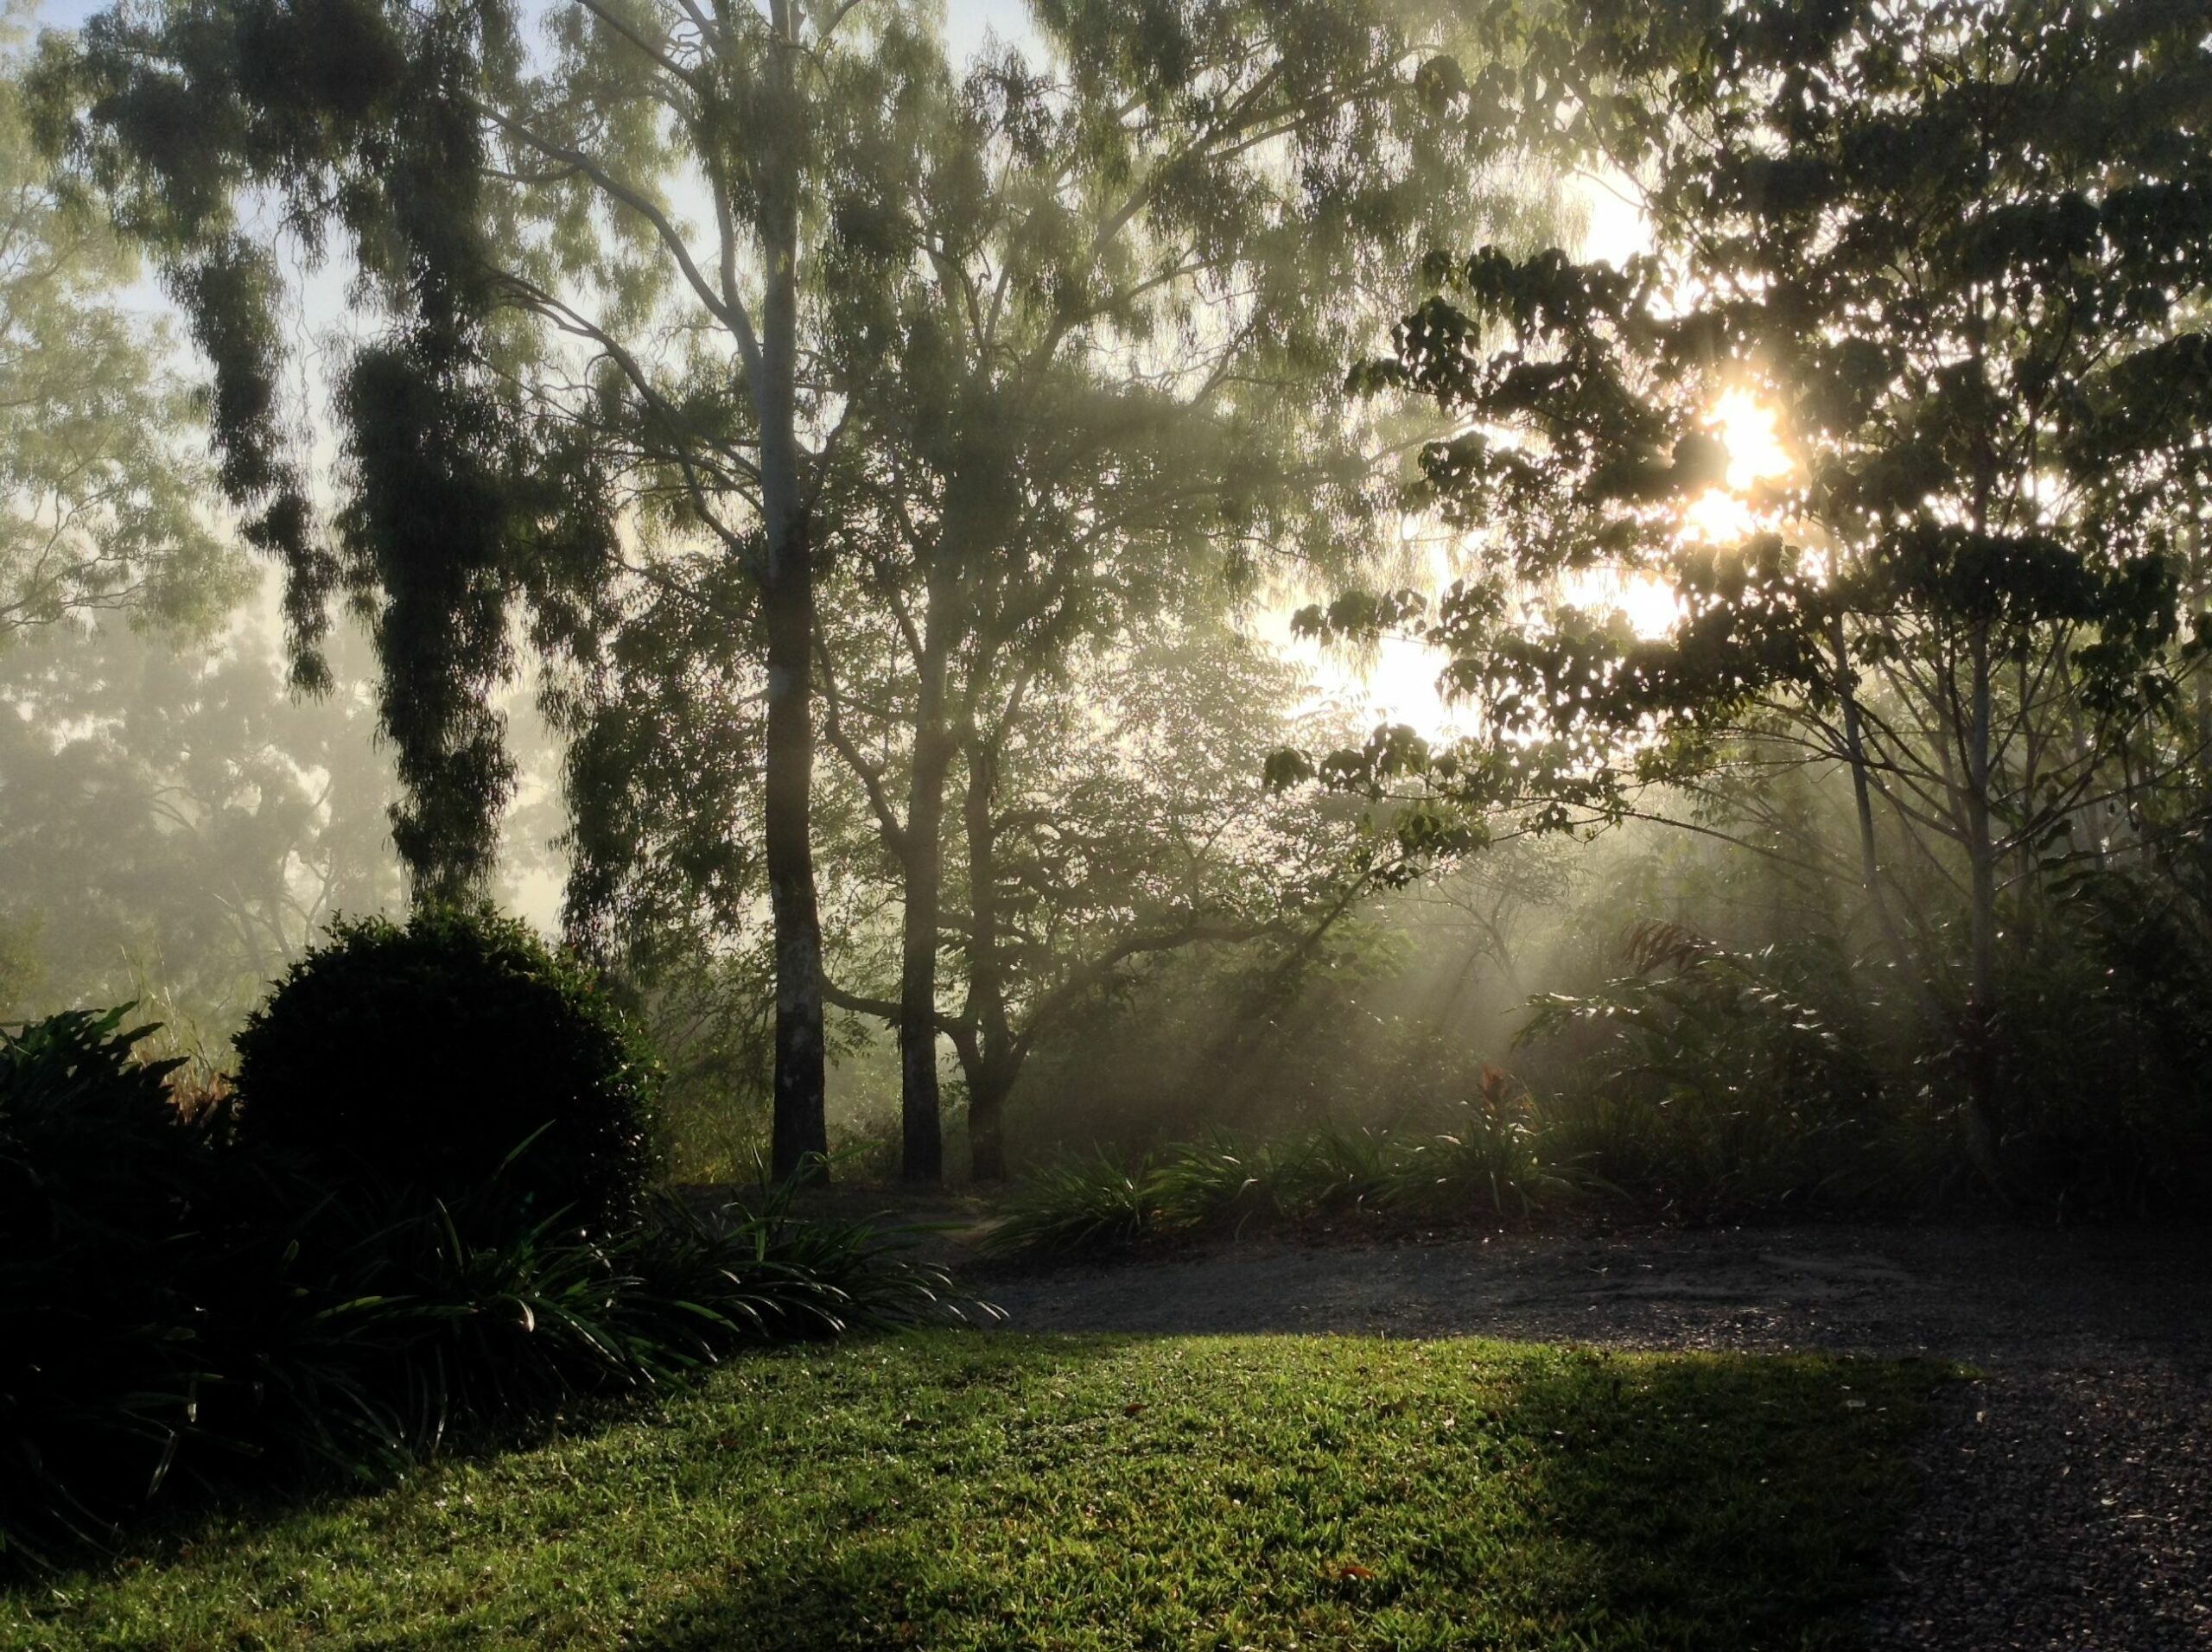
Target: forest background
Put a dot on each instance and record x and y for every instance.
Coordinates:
(1814, 811)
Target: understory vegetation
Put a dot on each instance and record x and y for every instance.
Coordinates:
(1749, 1065)
(200, 1294)
(953, 1491)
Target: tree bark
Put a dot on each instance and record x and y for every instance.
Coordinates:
(987, 1089)
(991, 1072)
(921, 1139)
(1980, 851)
(1981, 1050)
(799, 1136)
(1862, 794)
(800, 1129)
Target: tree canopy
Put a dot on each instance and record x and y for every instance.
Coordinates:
(682, 309)
(1958, 255)
(107, 504)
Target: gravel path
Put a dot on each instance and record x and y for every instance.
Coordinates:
(2067, 1500)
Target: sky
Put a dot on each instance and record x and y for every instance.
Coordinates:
(967, 22)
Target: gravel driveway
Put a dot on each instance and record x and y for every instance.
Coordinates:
(2067, 1491)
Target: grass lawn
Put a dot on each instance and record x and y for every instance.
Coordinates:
(955, 1490)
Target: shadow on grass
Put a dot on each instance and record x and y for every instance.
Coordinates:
(957, 1491)
(1582, 1499)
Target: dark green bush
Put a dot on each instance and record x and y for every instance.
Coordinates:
(99, 1371)
(449, 1054)
(1082, 1202)
(91, 1150)
(2104, 1046)
(1712, 1083)
(185, 1306)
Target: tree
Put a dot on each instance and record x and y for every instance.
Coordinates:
(1067, 316)
(104, 500)
(721, 380)
(1113, 302)
(1119, 821)
(1961, 252)
(490, 209)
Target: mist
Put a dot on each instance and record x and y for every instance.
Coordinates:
(1044, 634)
(1112, 823)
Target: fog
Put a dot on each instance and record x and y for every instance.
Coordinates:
(1064, 600)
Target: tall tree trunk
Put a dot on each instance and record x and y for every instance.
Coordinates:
(987, 1089)
(800, 1128)
(922, 1141)
(1862, 795)
(1981, 852)
(800, 1131)
(1981, 1050)
(1854, 746)
(990, 1076)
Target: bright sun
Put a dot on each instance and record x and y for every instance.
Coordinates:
(1747, 430)
(1756, 455)
(1398, 681)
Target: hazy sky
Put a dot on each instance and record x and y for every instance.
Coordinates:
(967, 21)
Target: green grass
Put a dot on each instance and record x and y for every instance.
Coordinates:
(952, 1490)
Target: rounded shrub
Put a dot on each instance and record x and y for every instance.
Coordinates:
(459, 1055)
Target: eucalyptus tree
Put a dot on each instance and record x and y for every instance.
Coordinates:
(1112, 315)
(594, 379)
(1085, 313)
(102, 490)
(1961, 252)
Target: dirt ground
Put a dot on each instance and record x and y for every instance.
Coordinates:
(2067, 1501)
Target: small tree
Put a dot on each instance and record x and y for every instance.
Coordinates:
(1117, 822)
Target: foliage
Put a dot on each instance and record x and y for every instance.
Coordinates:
(96, 1378)
(101, 486)
(489, 1049)
(1484, 1159)
(1084, 1202)
(87, 1136)
(1721, 1082)
(355, 121)
(2107, 1036)
(1082, 315)
(184, 1309)
(958, 1492)
(1942, 251)
(1485, 1162)
(1713, 1081)
(1120, 825)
